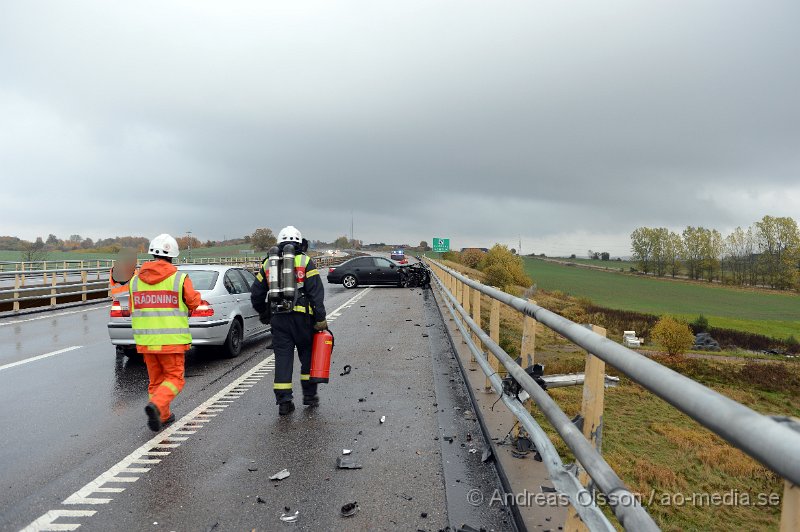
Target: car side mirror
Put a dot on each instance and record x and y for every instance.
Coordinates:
(391, 265)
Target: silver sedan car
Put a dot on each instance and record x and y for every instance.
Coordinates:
(227, 321)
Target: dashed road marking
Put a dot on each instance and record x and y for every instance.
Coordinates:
(40, 357)
(159, 446)
(349, 303)
(129, 469)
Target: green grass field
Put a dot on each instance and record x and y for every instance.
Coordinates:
(609, 264)
(772, 314)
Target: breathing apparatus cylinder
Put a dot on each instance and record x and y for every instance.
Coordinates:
(289, 282)
(274, 260)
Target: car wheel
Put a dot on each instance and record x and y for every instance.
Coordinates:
(233, 343)
(350, 281)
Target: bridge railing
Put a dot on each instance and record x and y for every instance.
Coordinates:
(773, 441)
(45, 283)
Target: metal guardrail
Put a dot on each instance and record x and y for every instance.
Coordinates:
(26, 279)
(772, 441)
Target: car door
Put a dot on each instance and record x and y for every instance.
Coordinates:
(385, 271)
(240, 292)
(364, 270)
(251, 323)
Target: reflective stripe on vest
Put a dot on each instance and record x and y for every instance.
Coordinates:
(159, 316)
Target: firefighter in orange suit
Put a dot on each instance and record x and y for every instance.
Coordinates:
(161, 299)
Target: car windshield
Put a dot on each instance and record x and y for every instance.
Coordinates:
(202, 279)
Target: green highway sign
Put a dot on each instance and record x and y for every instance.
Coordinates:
(440, 245)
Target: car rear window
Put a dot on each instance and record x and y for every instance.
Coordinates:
(202, 279)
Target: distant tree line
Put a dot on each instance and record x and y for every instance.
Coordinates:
(765, 254)
(39, 248)
(599, 255)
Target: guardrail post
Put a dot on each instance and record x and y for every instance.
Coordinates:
(790, 514)
(53, 291)
(65, 271)
(494, 334)
(22, 269)
(468, 309)
(592, 413)
(84, 276)
(98, 270)
(528, 345)
(16, 294)
(44, 275)
(476, 317)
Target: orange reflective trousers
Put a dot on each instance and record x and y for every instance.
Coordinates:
(166, 379)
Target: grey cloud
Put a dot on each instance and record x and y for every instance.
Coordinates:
(478, 121)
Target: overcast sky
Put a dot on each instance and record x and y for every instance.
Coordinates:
(567, 124)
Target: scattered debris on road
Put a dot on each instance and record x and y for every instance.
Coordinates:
(349, 510)
(347, 462)
(260, 500)
(383, 419)
(280, 475)
(346, 451)
(290, 517)
(346, 370)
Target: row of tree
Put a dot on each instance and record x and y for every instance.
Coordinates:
(767, 253)
(38, 249)
(264, 238)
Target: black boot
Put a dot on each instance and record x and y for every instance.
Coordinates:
(153, 417)
(311, 400)
(285, 408)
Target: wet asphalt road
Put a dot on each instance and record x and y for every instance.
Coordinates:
(72, 416)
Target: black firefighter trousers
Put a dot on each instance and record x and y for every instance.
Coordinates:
(292, 330)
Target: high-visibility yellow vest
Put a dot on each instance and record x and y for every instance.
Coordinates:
(159, 316)
(301, 274)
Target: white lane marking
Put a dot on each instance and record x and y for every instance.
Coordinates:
(128, 465)
(45, 522)
(193, 420)
(40, 357)
(2, 323)
(349, 303)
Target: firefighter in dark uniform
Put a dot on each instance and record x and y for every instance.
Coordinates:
(293, 328)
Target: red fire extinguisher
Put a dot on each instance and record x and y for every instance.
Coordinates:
(321, 351)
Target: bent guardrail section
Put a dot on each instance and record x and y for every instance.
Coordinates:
(772, 441)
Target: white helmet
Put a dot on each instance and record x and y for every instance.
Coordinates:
(290, 234)
(164, 246)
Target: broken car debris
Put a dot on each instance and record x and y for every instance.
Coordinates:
(280, 475)
(347, 462)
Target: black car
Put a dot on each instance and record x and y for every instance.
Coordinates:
(365, 271)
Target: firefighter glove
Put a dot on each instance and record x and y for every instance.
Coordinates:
(321, 325)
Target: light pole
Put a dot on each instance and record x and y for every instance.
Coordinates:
(189, 243)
